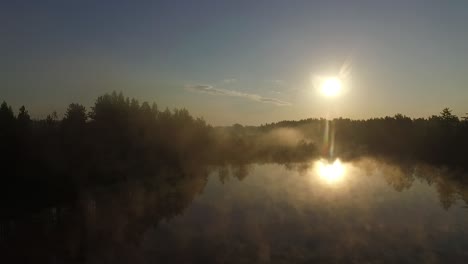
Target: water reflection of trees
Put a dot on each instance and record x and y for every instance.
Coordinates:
(268, 224)
(104, 224)
(108, 223)
(451, 185)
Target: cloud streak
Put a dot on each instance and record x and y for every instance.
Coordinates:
(228, 81)
(208, 89)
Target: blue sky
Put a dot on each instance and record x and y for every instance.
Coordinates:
(246, 62)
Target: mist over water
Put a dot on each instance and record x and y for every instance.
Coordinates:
(267, 213)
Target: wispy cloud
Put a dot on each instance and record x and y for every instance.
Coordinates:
(277, 82)
(217, 91)
(231, 80)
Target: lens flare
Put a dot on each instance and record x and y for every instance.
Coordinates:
(330, 172)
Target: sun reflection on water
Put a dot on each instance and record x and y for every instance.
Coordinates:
(330, 172)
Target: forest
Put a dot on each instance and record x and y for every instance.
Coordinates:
(52, 159)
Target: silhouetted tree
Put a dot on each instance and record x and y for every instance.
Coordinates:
(51, 119)
(7, 117)
(111, 108)
(447, 116)
(75, 114)
(24, 120)
(8, 135)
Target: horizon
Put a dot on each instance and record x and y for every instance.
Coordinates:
(60, 115)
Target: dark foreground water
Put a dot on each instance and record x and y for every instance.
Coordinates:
(360, 212)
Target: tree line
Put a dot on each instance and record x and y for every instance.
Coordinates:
(119, 137)
(439, 139)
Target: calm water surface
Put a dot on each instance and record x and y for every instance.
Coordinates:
(359, 212)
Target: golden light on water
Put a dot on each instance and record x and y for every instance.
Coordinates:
(331, 86)
(330, 172)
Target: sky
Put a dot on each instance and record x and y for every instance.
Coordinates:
(247, 62)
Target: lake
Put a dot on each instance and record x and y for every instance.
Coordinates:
(361, 211)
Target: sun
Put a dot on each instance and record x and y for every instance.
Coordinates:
(331, 87)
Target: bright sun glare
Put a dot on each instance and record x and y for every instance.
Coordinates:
(330, 172)
(331, 86)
